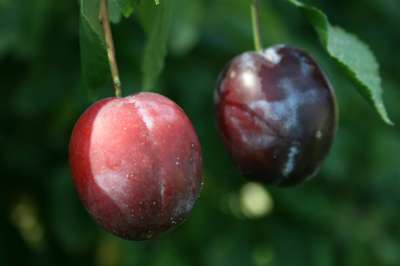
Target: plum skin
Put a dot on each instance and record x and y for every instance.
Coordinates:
(136, 164)
(277, 114)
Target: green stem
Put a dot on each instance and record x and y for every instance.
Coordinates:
(255, 19)
(105, 21)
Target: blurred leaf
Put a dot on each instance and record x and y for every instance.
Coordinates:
(156, 46)
(353, 55)
(185, 28)
(109, 251)
(95, 71)
(146, 16)
(126, 6)
(114, 11)
(167, 254)
(229, 249)
(322, 254)
(71, 224)
(28, 27)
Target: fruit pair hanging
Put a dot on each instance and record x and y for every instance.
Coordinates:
(136, 161)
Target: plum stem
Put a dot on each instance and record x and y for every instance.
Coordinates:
(255, 19)
(105, 21)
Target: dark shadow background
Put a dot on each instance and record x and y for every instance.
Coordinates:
(348, 215)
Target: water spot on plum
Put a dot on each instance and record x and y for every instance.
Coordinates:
(154, 203)
(291, 160)
(113, 164)
(177, 161)
(130, 176)
(162, 188)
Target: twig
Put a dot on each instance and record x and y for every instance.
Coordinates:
(110, 47)
(255, 18)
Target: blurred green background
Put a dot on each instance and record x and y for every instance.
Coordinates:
(348, 215)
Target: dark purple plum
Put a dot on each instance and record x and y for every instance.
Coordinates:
(136, 163)
(277, 114)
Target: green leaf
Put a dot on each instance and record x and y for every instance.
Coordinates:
(146, 14)
(114, 11)
(351, 54)
(185, 27)
(156, 46)
(95, 70)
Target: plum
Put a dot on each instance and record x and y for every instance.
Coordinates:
(136, 164)
(277, 114)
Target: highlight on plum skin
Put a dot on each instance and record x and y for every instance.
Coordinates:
(136, 164)
(277, 114)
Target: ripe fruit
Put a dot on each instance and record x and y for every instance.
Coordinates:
(277, 114)
(136, 163)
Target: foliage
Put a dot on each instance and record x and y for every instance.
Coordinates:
(93, 47)
(156, 46)
(352, 54)
(347, 215)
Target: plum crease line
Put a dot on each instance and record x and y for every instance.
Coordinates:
(255, 114)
